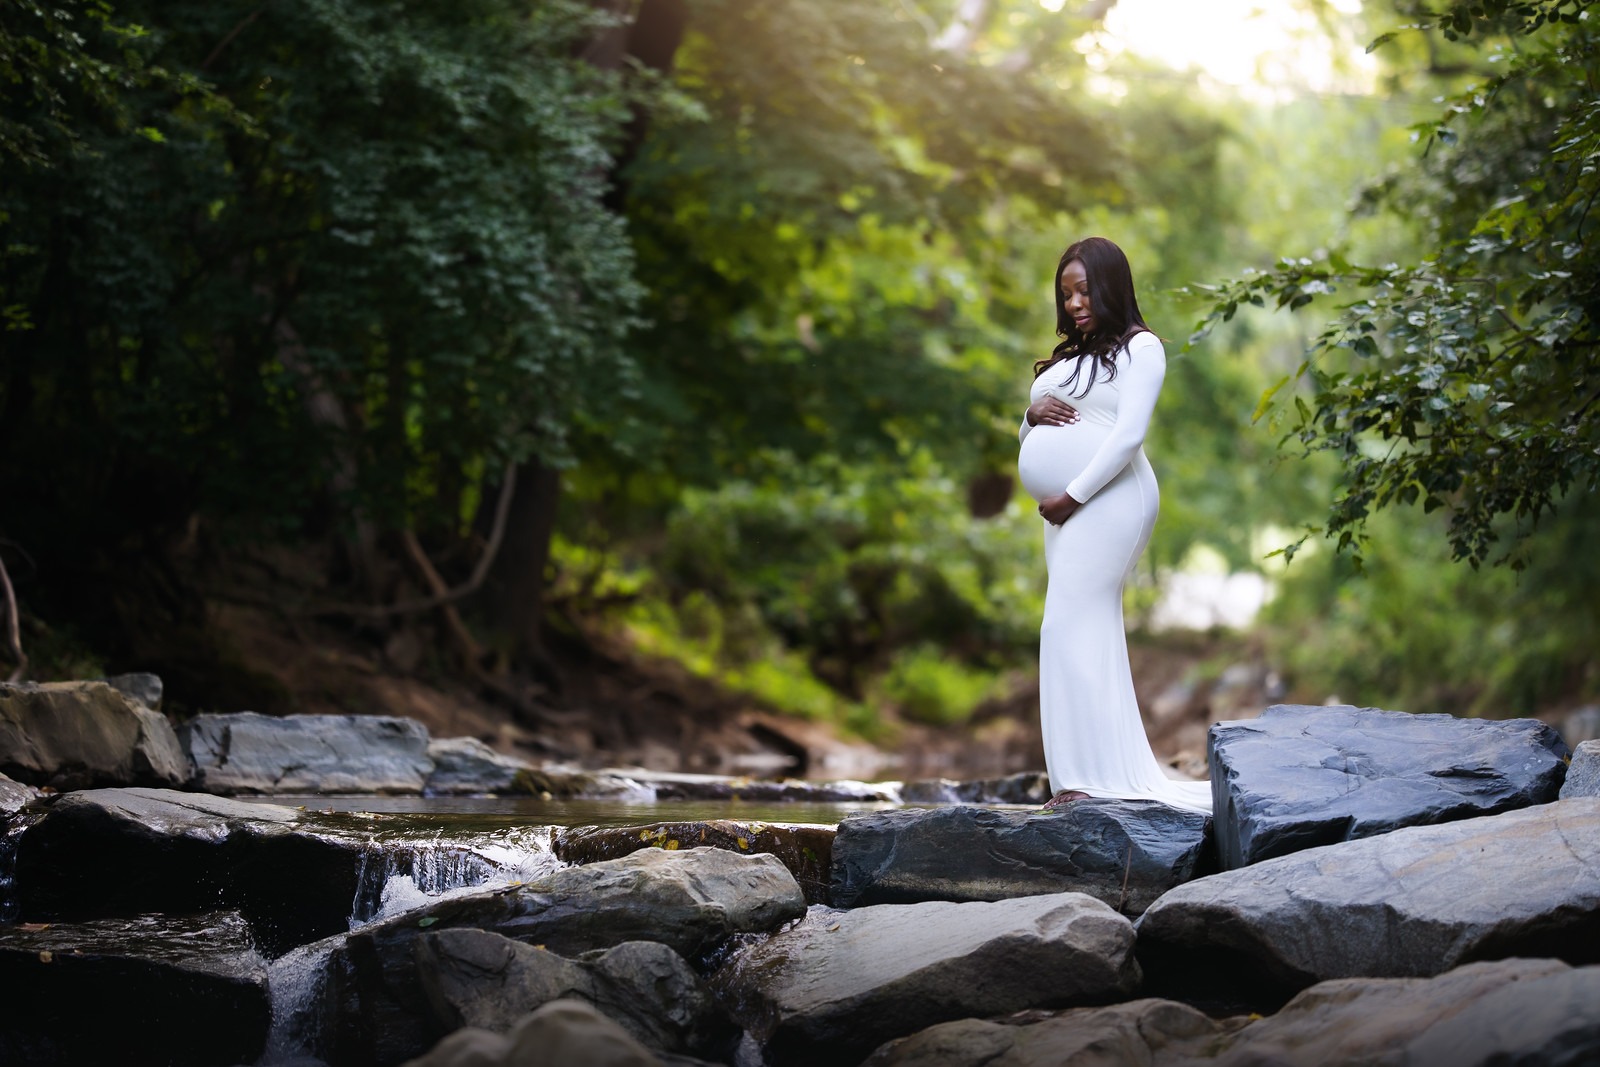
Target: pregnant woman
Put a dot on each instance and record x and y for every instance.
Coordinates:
(1083, 460)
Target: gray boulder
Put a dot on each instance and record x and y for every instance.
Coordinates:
(834, 986)
(560, 1033)
(141, 688)
(77, 735)
(1583, 777)
(119, 852)
(251, 753)
(691, 900)
(1415, 902)
(1302, 776)
(805, 849)
(481, 979)
(465, 765)
(1029, 787)
(145, 990)
(1123, 852)
(1480, 1015)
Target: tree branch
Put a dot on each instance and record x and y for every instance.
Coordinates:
(442, 595)
(13, 627)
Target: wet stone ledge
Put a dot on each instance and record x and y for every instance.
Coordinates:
(138, 990)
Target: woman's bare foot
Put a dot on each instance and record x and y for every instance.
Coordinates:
(1066, 796)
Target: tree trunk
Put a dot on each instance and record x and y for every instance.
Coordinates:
(513, 596)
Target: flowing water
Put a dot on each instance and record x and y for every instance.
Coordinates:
(416, 850)
(421, 849)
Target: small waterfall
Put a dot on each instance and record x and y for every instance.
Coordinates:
(297, 983)
(15, 827)
(398, 869)
(401, 872)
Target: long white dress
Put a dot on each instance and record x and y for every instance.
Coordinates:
(1094, 739)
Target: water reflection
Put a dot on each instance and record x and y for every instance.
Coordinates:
(484, 813)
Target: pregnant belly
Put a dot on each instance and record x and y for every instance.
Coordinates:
(1052, 456)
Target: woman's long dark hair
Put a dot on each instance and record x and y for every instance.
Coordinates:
(1116, 312)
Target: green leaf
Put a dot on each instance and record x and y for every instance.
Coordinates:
(1265, 403)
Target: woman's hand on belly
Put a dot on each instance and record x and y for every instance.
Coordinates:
(1050, 410)
(1058, 509)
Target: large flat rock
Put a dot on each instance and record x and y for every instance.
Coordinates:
(834, 986)
(118, 852)
(807, 850)
(1123, 852)
(76, 735)
(1480, 1015)
(1415, 902)
(692, 900)
(251, 753)
(1302, 776)
(143, 990)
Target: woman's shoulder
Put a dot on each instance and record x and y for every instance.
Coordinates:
(1143, 341)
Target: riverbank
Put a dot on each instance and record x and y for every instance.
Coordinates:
(1370, 881)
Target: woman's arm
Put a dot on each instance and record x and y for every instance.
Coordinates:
(1140, 384)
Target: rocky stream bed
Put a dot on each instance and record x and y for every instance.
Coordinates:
(1375, 887)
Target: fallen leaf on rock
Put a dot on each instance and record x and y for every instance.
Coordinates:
(46, 956)
(427, 921)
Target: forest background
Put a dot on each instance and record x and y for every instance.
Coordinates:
(594, 370)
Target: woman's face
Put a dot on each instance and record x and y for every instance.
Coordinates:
(1074, 283)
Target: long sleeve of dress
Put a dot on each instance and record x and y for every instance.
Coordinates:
(1140, 384)
(1022, 434)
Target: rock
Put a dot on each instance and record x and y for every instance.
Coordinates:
(13, 795)
(1581, 724)
(110, 852)
(1145, 1032)
(467, 765)
(1029, 787)
(1583, 777)
(1508, 1011)
(562, 1032)
(148, 990)
(805, 849)
(76, 735)
(1123, 852)
(691, 900)
(144, 689)
(480, 979)
(567, 783)
(1302, 776)
(673, 785)
(1412, 903)
(1479, 1015)
(251, 753)
(839, 983)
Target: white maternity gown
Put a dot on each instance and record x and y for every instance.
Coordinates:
(1094, 740)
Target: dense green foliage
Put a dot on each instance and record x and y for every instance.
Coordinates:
(308, 278)
(1467, 379)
